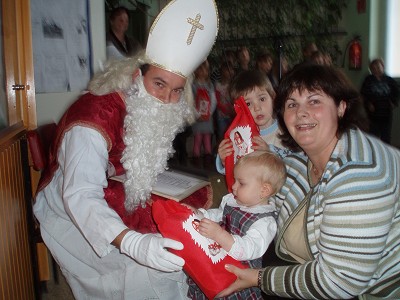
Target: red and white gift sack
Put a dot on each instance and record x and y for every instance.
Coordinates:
(203, 104)
(204, 259)
(240, 132)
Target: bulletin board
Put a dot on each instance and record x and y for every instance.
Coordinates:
(61, 45)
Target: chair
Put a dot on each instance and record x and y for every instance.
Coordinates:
(39, 141)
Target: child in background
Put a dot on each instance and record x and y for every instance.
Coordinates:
(225, 111)
(243, 59)
(228, 56)
(206, 102)
(280, 67)
(264, 61)
(259, 95)
(244, 225)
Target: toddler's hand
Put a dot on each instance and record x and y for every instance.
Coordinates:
(225, 149)
(209, 229)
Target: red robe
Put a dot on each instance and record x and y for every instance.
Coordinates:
(106, 114)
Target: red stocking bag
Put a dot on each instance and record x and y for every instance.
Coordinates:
(204, 259)
(203, 104)
(240, 132)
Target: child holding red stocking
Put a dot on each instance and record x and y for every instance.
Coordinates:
(259, 96)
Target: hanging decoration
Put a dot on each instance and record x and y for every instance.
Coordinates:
(361, 6)
(355, 54)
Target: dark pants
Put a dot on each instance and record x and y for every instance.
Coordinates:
(179, 143)
(382, 128)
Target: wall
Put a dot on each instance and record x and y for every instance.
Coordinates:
(279, 27)
(371, 26)
(153, 10)
(355, 24)
(368, 25)
(51, 106)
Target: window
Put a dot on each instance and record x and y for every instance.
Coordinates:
(392, 63)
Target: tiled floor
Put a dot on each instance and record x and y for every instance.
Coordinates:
(57, 290)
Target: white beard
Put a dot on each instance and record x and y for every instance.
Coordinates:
(150, 127)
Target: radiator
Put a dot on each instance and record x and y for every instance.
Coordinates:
(16, 273)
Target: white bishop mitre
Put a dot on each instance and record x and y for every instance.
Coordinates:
(182, 35)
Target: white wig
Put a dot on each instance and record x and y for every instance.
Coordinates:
(118, 76)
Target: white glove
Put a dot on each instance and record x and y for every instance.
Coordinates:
(150, 250)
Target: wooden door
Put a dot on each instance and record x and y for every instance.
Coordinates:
(16, 271)
(18, 62)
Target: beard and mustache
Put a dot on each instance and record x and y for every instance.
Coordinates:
(150, 127)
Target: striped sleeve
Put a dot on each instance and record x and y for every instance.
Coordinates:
(353, 228)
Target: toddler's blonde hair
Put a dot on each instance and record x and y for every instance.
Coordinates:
(271, 168)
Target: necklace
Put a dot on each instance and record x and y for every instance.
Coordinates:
(315, 170)
(316, 174)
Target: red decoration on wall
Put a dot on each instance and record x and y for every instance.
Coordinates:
(361, 6)
(355, 55)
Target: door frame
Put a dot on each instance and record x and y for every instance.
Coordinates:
(18, 62)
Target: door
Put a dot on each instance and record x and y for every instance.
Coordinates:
(18, 63)
(18, 112)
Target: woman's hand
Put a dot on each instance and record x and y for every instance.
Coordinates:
(246, 278)
(225, 149)
(259, 144)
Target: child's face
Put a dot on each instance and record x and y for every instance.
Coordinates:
(265, 65)
(260, 104)
(244, 55)
(226, 73)
(248, 188)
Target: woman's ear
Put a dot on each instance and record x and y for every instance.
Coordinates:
(341, 109)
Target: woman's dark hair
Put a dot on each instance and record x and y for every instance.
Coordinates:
(117, 12)
(328, 79)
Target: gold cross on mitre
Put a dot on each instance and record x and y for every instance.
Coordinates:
(195, 25)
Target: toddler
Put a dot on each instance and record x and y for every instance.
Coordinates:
(244, 225)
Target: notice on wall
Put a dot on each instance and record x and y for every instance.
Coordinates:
(61, 46)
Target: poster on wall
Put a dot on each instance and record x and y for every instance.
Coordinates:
(61, 45)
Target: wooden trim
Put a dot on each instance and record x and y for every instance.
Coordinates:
(11, 134)
(16, 276)
(30, 119)
(9, 46)
(18, 62)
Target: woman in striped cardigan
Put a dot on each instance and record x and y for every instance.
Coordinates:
(339, 218)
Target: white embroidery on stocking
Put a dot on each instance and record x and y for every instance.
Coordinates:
(211, 248)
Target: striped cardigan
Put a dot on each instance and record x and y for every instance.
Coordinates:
(353, 224)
